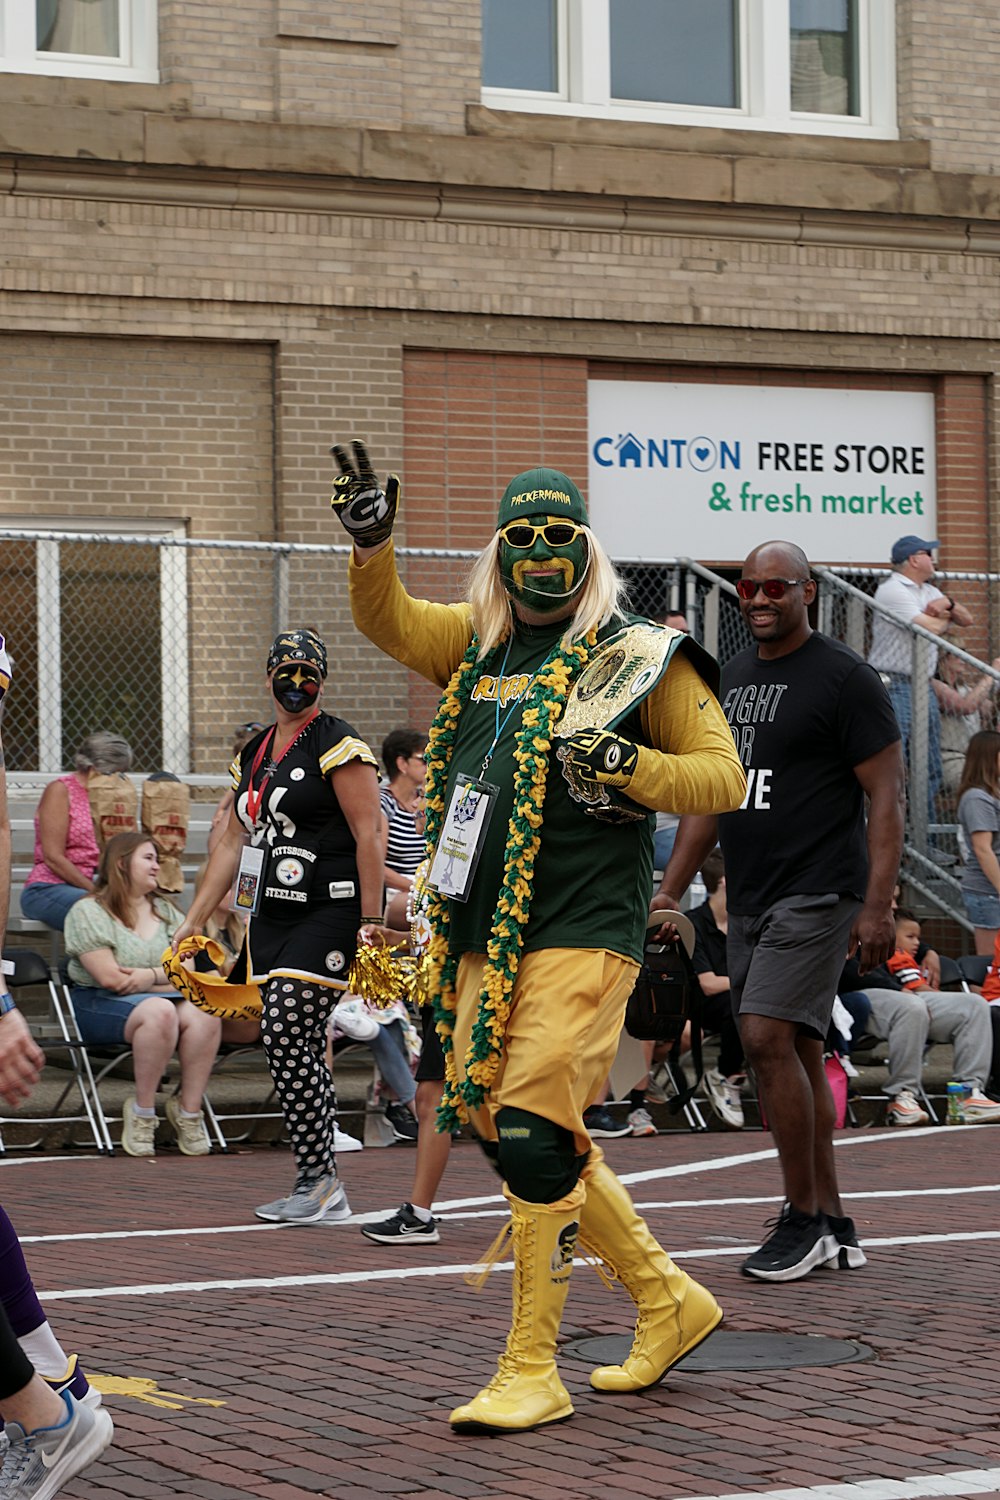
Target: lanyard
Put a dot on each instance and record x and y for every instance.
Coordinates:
(501, 725)
(256, 796)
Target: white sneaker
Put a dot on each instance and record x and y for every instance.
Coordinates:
(979, 1110)
(344, 1142)
(191, 1131)
(641, 1122)
(904, 1110)
(138, 1131)
(353, 1018)
(724, 1098)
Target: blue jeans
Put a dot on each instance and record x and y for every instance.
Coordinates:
(389, 1051)
(50, 903)
(102, 1015)
(901, 698)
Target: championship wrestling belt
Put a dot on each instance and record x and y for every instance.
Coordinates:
(208, 989)
(621, 672)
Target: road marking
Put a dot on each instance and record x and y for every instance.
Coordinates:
(452, 1213)
(405, 1273)
(958, 1482)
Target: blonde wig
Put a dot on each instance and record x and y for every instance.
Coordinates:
(601, 598)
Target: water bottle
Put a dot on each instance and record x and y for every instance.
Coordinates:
(956, 1104)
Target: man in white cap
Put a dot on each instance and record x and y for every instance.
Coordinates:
(914, 600)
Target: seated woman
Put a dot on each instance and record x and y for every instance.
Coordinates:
(66, 852)
(121, 995)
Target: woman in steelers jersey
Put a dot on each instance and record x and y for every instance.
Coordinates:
(305, 844)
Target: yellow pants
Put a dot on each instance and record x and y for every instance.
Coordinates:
(566, 1018)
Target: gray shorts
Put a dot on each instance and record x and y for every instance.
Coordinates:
(787, 961)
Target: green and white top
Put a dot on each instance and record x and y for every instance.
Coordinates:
(89, 926)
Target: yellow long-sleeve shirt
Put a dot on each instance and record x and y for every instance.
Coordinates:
(592, 879)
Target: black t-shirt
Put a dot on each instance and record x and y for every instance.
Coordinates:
(709, 956)
(801, 724)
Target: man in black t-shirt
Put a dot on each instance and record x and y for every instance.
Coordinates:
(807, 880)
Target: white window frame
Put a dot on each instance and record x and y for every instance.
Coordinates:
(136, 63)
(583, 53)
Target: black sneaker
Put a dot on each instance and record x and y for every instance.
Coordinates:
(602, 1125)
(799, 1244)
(403, 1121)
(403, 1225)
(849, 1254)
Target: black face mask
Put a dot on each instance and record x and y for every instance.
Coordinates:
(295, 687)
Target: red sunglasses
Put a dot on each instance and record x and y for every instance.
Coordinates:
(771, 588)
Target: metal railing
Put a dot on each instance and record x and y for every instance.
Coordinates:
(162, 639)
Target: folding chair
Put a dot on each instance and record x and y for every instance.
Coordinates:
(972, 969)
(30, 968)
(107, 1059)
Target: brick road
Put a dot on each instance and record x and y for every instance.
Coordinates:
(337, 1360)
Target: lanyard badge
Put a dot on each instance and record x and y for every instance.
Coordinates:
(463, 835)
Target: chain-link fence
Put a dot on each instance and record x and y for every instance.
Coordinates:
(163, 641)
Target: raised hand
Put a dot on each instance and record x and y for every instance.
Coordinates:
(365, 510)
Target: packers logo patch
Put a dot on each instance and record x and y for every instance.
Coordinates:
(562, 1256)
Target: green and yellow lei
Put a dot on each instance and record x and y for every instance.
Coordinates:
(542, 708)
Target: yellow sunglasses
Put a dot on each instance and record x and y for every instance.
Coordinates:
(524, 534)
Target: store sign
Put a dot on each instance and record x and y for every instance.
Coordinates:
(711, 471)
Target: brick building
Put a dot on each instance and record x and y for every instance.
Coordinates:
(470, 231)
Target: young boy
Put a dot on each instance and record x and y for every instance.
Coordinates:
(903, 963)
(953, 1018)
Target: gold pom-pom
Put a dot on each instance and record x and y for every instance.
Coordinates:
(382, 975)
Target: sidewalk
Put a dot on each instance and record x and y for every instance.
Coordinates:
(337, 1360)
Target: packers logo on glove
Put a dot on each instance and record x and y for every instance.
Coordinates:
(597, 763)
(363, 507)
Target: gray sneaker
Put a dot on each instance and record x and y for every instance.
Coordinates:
(312, 1200)
(36, 1465)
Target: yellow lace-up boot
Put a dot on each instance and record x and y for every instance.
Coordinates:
(526, 1390)
(675, 1312)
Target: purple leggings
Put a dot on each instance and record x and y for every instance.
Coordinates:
(20, 1313)
(20, 1301)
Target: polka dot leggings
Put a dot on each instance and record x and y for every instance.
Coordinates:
(293, 1030)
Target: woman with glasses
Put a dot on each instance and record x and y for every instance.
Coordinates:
(402, 798)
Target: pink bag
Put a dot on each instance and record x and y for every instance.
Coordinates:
(837, 1079)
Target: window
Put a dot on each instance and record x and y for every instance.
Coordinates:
(811, 66)
(80, 38)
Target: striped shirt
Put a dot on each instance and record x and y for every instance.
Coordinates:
(406, 846)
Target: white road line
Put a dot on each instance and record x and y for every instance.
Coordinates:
(958, 1482)
(452, 1213)
(406, 1273)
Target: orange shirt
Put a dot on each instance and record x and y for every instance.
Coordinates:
(991, 984)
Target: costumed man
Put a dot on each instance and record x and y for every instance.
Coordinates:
(540, 909)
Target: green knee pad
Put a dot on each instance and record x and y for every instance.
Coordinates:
(537, 1159)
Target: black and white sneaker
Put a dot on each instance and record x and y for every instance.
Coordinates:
(800, 1242)
(849, 1256)
(403, 1121)
(403, 1225)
